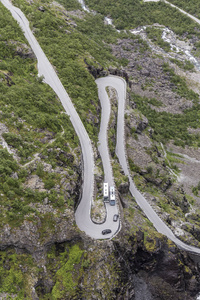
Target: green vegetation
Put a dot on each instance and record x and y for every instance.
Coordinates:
(155, 34)
(171, 161)
(71, 45)
(174, 158)
(141, 224)
(191, 7)
(196, 189)
(9, 29)
(181, 87)
(70, 4)
(171, 204)
(11, 279)
(133, 166)
(119, 176)
(185, 65)
(135, 13)
(67, 277)
(29, 108)
(15, 270)
(149, 83)
(155, 102)
(70, 266)
(168, 126)
(149, 243)
(34, 124)
(18, 273)
(12, 191)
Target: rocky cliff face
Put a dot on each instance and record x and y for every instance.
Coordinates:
(137, 264)
(158, 273)
(167, 174)
(43, 253)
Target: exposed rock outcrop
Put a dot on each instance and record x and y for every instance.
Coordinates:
(124, 188)
(34, 235)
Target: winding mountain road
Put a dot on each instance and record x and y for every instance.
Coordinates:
(82, 213)
(120, 86)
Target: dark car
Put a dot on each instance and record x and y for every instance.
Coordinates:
(115, 218)
(112, 202)
(106, 231)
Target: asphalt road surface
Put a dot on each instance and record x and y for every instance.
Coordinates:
(82, 214)
(120, 86)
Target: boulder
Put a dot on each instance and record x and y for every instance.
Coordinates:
(142, 124)
(124, 187)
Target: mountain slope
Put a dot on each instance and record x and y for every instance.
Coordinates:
(38, 198)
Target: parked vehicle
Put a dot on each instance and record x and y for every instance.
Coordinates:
(112, 202)
(105, 192)
(112, 195)
(115, 218)
(106, 231)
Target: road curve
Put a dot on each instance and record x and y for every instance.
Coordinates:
(83, 219)
(120, 86)
(82, 214)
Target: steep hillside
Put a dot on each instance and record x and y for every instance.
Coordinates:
(193, 8)
(43, 253)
